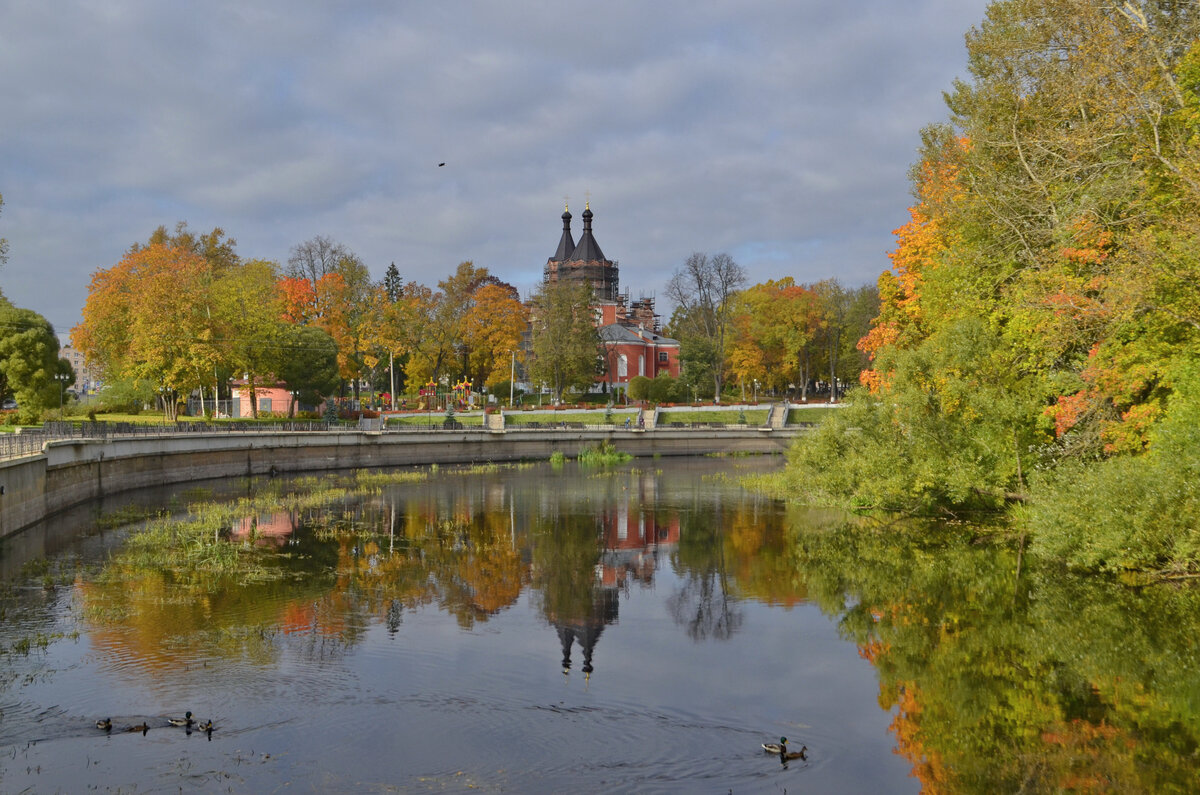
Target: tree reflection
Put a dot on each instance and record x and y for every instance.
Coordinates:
(703, 604)
(1007, 680)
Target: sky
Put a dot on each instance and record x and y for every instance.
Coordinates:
(777, 131)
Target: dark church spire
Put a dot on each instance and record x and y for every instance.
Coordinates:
(588, 249)
(567, 244)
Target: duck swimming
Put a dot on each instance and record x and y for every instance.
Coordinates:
(186, 720)
(142, 727)
(104, 723)
(780, 748)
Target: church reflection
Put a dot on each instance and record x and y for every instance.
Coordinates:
(582, 565)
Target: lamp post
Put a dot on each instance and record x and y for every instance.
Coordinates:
(512, 376)
(392, 377)
(63, 379)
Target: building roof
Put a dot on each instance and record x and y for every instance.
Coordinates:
(587, 250)
(622, 333)
(566, 245)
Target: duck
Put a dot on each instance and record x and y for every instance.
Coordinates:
(186, 720)
(205, 727)
(780, 748)
(105, 724)
(142, 727)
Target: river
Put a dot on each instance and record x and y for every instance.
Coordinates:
(534, 628)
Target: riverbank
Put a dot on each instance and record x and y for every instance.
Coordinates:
(71, 472)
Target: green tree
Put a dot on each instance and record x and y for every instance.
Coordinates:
(565, 343)
(665, 389)
(248, 311)
(640, 387)
(697, 355)
(29, 362)
(307, 364)
(393, 286)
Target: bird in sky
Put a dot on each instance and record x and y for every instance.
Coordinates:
(441, 164)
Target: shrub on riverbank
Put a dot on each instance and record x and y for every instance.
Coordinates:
(1127, 513)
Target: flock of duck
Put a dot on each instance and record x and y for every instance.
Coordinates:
(186, 722)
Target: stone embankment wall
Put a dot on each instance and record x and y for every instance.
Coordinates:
(71, 472)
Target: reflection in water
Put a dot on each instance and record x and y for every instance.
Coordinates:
(703, 604)
(1007, 680)
(575, 597)
(994, 677)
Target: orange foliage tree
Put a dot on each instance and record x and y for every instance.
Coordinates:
(145, 320)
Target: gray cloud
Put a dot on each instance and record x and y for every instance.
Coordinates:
(779, 132)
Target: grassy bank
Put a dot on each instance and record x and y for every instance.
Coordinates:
(726, 416)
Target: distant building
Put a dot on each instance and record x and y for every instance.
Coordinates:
(629, 329)
(86, 379)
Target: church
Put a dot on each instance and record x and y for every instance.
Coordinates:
(629, 329)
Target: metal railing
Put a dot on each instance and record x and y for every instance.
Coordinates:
(31, 442)
(19, 445)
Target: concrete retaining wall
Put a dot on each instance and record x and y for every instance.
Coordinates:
(72, 472)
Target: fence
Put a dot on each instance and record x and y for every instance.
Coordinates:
(30, 442)
(19, 445)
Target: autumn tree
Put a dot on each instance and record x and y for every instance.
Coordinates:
(774, 325)
(565, 343)
(1045, 263)
(146, 320)
(215, 247)
(844, 317)
(465, 328)
(327, 285)
(494, 327)
(702, 290)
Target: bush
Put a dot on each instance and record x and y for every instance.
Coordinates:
(1139, 513)
(639, 387)
(665, 389)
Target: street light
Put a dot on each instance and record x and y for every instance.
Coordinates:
(512, 376)
(63, 379)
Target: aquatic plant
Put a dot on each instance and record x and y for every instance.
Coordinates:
(603, 454)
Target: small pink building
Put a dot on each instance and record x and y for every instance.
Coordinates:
(272, 400)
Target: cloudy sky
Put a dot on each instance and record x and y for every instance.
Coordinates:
(779, 131)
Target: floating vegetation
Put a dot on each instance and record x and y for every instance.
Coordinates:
(39, 641)
(603, 454)
(557, 459)
(770, 484)
(126, 514)
(368, 479)
(737, 454)
(479, 469)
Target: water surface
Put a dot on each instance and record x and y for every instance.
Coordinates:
(533, 629)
